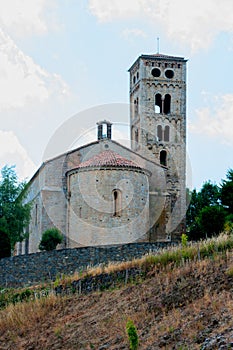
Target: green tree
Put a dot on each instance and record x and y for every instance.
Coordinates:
(227, 192)
(208, 196)
(50, 239)
(193, 209)
(14, 215)
(211, 220)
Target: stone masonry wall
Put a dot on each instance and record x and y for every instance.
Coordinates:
(46, 266)
(91, 207)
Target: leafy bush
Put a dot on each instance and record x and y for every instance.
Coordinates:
(50, 239)
(13, 296)
(184, 240)
(132, 335)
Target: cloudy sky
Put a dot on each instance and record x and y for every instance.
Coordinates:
(59, 59)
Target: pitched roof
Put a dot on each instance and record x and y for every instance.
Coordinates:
(108, 158)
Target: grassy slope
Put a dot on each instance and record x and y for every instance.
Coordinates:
(174, 308)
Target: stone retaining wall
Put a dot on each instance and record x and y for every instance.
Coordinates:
(46, 266)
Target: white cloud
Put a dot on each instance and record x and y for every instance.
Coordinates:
(13, 153)
(24, 17)
(193, 23)
(216, 122)
(107, 11)
(22, 80)
(134, 32)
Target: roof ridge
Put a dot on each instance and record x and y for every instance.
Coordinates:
(107, 158)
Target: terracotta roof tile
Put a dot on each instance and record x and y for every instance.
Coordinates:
(108, 158)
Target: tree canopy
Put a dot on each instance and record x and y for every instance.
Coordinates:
(14, 215)
(227, 192)
(210, 209)
(5, 245)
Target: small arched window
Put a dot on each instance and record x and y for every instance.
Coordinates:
(159, 133)
(136, 106)
(117, 207)
(136, 135)
(158, 103)
(163, 157)
(36, 215)
(166, 133)
(167, 104)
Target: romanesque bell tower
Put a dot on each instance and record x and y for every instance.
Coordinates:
(158, 130)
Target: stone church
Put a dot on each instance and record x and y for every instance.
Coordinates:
(104, 193)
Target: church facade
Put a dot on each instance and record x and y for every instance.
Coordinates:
(104, 193)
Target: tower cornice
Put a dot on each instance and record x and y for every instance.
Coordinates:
(156, 57)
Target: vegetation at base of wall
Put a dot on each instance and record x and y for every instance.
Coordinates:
(184, 240)
(14, 296)
(50, 239)
(166, 259)
(183, 307)
(14, 215)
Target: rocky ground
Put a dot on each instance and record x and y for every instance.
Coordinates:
(190, 307)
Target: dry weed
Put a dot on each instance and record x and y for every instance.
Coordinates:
(22, 315)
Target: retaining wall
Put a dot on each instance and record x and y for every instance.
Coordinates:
(46, 266)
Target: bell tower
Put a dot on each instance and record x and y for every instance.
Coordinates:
(158, 128)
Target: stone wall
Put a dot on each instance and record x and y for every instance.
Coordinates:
(91, 208)
(50, 205)
(46, 266)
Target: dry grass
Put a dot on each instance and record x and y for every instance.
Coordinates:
(177, 306)
(22, 315)
(168, 257)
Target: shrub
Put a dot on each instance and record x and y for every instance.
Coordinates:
(50, 239)
(184, 240)
(132, 335)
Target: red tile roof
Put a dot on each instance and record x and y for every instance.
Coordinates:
(108, 158)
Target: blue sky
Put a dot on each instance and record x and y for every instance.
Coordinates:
(62, 58)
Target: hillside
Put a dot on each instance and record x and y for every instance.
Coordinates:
(173, 307)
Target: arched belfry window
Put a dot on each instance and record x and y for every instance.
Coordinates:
(166, 133)
(117, 206)
(163, 157)
(136, 106)
(167, 104)
(158, 103)
(104, 130)
(159, 133)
